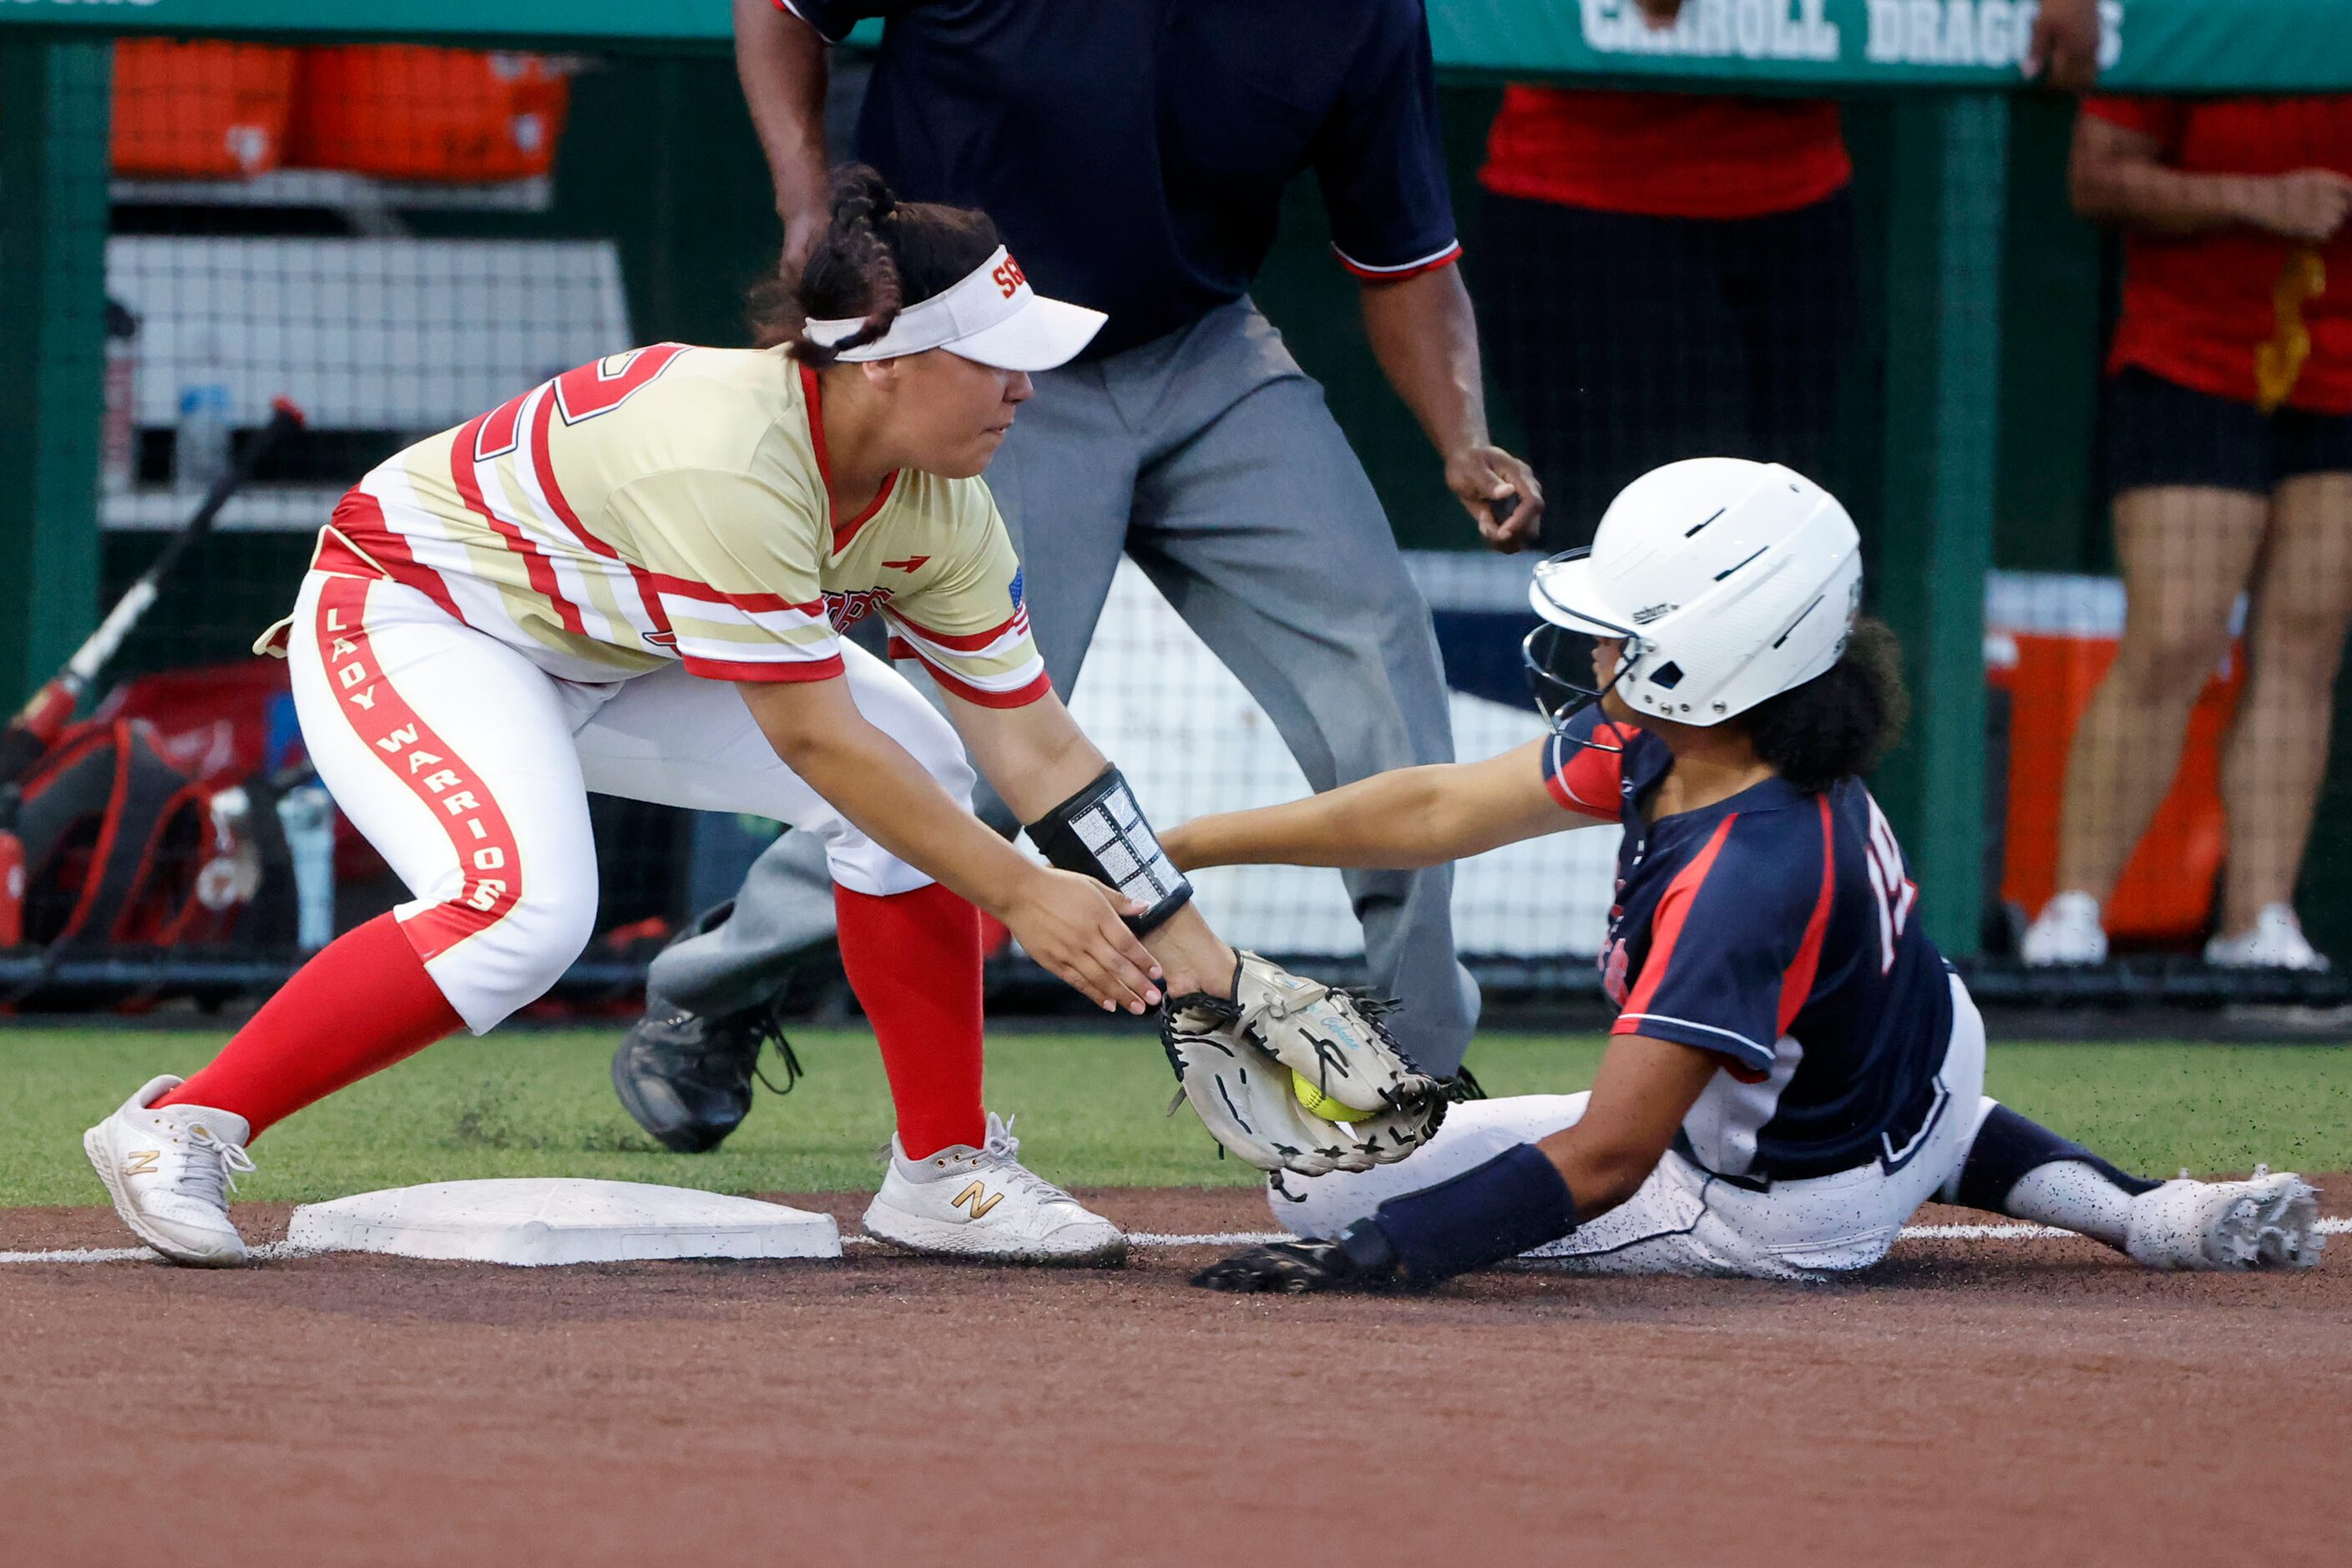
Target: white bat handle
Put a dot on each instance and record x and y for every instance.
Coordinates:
(100, 643)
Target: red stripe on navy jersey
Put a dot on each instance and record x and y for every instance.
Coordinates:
(359, 517)
(1590, 781)
(1673, 908)
(780, 670)
(1797, 982)
(536, 565)
(489, 862)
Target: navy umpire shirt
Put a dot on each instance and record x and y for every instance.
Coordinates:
(1134, 152)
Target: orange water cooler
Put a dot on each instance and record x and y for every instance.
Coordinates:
(2166, 895)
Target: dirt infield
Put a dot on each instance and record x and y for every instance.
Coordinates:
(2009, 1402)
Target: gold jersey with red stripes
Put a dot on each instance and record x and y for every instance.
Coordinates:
(669, 504)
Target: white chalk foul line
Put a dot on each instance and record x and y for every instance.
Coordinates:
(1134, 1238)
(82, 1255)
(266, 1252)
(280, 1250)
(1910, 1233)
(2035, 1232)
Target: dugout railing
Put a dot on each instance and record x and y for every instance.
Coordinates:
(1954, 156)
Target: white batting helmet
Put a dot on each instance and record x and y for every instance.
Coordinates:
(1729, 581)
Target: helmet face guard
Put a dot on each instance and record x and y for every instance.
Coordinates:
(1558, 662)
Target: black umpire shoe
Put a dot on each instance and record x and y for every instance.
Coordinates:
(686, 1079)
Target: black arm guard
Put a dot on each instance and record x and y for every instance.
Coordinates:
(1515, 1202)
(1100, 832)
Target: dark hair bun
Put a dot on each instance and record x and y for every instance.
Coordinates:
(861, 195)
(879, 254)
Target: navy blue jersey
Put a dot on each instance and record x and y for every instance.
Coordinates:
(1775, 929)
(1134, 152)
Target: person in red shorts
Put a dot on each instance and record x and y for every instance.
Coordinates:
(2229, 461)
(1668, 273)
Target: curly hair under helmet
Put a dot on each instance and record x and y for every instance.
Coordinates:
(1837, 724)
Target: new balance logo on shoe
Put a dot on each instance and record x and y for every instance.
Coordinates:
(142, 1161)
(937, 1205)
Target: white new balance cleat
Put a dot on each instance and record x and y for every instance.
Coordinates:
(2275, 941)
(170, 1173)
(2270, 1222)
(984, 1204)
(2067, 930)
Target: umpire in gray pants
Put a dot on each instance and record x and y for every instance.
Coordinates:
(1134, 154)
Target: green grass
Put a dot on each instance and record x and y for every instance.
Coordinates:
(532, 1103)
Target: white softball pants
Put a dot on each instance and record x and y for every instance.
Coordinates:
(1684, 1220)
(469, 768)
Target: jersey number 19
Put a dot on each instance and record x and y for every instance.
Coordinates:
(1896, 893)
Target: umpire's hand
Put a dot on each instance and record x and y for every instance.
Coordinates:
(2064, 48)
(1499, 492)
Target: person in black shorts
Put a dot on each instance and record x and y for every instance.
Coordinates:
(2230, 459)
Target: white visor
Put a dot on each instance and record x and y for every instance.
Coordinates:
(991, 316)
(1563, 593)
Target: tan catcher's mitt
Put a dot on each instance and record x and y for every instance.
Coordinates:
(1234, 1060)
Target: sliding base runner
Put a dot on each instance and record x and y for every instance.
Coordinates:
(1793, 1070)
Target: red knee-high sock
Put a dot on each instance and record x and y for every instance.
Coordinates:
(361, 1004)
(914, 960)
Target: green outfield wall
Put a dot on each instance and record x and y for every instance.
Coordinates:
(2155, 44)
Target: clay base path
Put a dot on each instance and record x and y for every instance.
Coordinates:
(2002, 1402)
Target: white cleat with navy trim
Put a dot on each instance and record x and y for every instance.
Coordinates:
(2270, 1222)
(982, 1204)
(170, 1173)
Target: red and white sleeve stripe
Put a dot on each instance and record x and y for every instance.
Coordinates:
(748, 637)
(1445, 256)
(1000, 667)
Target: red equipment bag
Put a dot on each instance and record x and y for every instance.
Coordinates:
(122, 848)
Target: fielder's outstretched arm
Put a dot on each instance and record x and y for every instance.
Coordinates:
(1039, 761)
(1069, 924)
(1398, 820)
